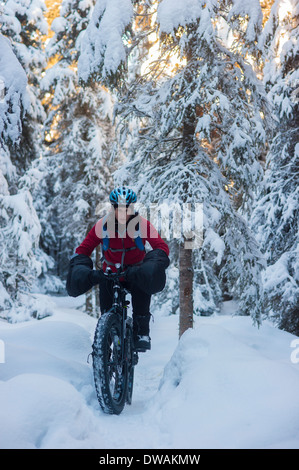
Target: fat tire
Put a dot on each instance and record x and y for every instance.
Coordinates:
(130, 356)
(110, 376)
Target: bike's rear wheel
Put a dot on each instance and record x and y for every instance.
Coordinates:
(110, 369)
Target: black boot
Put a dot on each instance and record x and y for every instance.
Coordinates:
(142, 340)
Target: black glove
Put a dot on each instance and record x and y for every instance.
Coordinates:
(150, 276)
(78, 281)
(96, 277)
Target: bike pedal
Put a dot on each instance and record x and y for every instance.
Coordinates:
(141, 349)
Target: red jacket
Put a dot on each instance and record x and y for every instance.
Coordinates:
(128, 253)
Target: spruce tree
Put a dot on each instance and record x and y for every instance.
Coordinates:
(19, 224)
(78, 132)
(194, 129)
(23, 22)
(275, 218)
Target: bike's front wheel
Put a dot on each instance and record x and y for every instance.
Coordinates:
(110, 368)
(130, 359)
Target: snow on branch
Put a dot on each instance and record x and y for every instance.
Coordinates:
(172, 16)
(102, 45)
(251, 10)
(14, 99)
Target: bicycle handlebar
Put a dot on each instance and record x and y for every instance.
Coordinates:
(114, 276)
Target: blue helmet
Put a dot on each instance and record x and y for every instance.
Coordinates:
(122, 195)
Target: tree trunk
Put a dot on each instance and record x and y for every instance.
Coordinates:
(185, 255)
(186, 289)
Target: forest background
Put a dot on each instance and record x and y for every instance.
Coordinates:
(187, 102)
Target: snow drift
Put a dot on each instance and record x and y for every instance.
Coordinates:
(225, 384)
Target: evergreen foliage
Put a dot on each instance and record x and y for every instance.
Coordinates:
(188, 101)
(78, 132)
(19, 225)
(197, 137)
(23, 22)
(275, 218)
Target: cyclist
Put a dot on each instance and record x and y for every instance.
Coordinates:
(122, 232)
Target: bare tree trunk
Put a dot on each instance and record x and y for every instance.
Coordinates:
(185, 255)
(186, 289)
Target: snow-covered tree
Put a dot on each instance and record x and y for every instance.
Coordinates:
(275, 218)
(13, 99)
(19, 225)
(78, 133)
(198, 109)
(105, 44)
(23, 22)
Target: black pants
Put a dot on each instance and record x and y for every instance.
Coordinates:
(140, 304)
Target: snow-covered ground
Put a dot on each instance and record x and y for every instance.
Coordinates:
(225, 384)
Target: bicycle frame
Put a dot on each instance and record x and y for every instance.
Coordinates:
(114, 356)
(120, 305)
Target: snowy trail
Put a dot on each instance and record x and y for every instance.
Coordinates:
(226, 384)
(46, 375)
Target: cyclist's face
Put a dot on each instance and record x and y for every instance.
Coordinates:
(123, 213)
